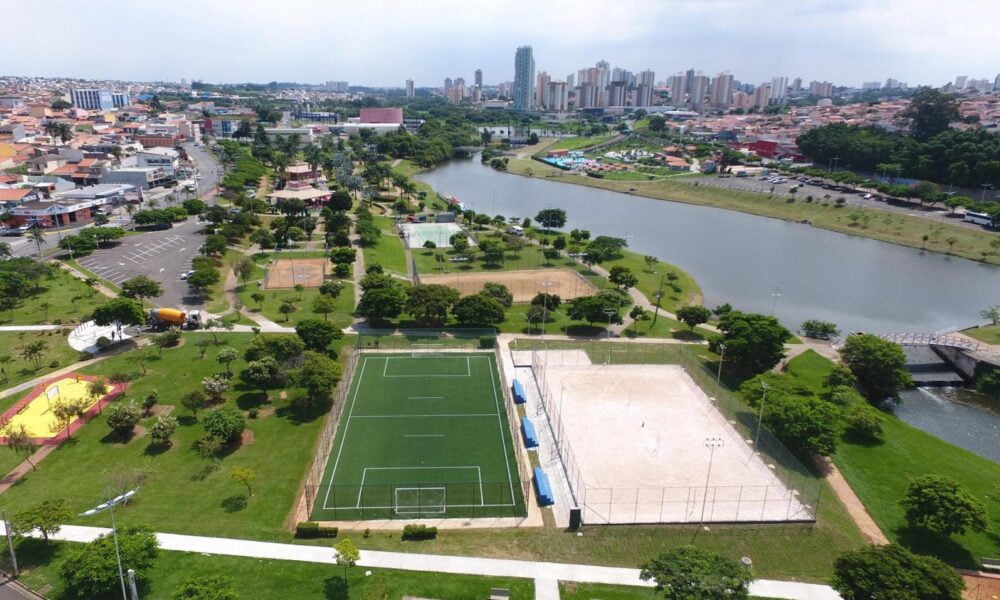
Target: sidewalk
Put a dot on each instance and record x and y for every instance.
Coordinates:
(543, 573)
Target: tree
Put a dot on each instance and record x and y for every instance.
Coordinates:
(91, 570)
(202, 279)
(226, 356)
(193, 401)
(939, 505)
(551, 218)
(120, 311)
(161, 430)
(78, 245)
(657, 123)
(261, 373)
(215, 386)
(65, 411)
(693, 316)
(203, 344)
(347, 554)
(595, 309)
(45, 516)
(206, 587)
(34, 352)
(892, 571)
(806, 424)
(820, 330)
(690, 573)
(500, 292)
(319, 375)
(650, 261)
(603, 248)
(20, 442)
(878, 365)
(384, 302)
(989, 384)
(245, 477)
(286, 308)
(122, 419)
(243, 268)
(430, 303)
(929, 113)
(992, 314)
(225, 424)
(324, 305)
(479, 309)
(754, 343)
(259, 298)
(622, 277)
(548, 301)
(317, 335)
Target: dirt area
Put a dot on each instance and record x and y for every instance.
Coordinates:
(565, 283)
(289, 272)
(981, 586)
(648, 446)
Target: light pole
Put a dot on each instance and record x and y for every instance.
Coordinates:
(110, 505)
(656, 307)
(774, 299)
(545, 303)
(760, 416)
(985, 187)
(610, 312)
(722, 356)
(711, 443)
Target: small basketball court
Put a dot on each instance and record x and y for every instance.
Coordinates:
(418, 234)
(288, 272)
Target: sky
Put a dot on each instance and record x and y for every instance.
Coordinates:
(385, 42)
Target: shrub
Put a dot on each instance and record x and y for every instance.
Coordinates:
(170, 337)
(150, 401)
(122, 418)
(54, 364)
(83, 355)
(253, 413)
(311, 529)
(163, 427)
(206, 587)
(342, 270)
(487, 341)
(419, 532)
(864, 422)
(103, 343)
(224, 424)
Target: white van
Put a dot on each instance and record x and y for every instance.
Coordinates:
(515, 230)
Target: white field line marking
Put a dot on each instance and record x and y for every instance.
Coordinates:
(423, 435)
(421, 416)
(425, 398)
(385, 369)
(503, 445)
(347, 425)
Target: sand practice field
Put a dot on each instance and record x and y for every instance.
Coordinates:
(34, 411)
(566, 283)
(289, 272)
(638, 439)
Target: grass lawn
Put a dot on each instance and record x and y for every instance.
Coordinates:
(57, 352)
(302, 302)
(459, 449)
(60, 298)
(881, 473)
(388, 252)
(216, 299)
(588, 591)
(901, 229)
(989, 334)
(184, 493)
(576, 143)
(649, 281)
(529, 258)
(263, 579)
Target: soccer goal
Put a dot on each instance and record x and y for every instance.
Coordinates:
(419, 501)
(427, 351)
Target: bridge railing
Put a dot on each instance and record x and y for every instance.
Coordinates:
(921, 339)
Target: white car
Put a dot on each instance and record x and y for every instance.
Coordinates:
(186, 274)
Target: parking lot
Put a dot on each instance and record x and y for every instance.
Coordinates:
(161, 255)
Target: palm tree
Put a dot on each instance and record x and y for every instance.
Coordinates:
(5, 361)
(38, 235)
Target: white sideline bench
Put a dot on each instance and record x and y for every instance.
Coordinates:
(499, 594)
(991, 564)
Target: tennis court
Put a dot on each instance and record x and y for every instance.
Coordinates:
(417, 234)
(423, 434)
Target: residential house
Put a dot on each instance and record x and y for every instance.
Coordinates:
(45, 164)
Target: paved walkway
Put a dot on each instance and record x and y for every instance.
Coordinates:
(32, 327)
(545, 574)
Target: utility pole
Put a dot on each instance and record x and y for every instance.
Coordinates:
(659, 295)
(711, 443)
(10, 545)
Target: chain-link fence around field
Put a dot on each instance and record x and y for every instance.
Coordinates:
(793, 497)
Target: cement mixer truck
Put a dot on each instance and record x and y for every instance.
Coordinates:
(165, 318)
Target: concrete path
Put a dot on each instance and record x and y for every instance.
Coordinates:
(545, 574)
(32, 327)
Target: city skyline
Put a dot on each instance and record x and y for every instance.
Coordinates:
(842, 42)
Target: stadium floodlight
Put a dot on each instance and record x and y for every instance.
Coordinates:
(711, 443)
(760, 416)
(110, 505)
(774, 299)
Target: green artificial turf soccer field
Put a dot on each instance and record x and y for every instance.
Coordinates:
(421, 436)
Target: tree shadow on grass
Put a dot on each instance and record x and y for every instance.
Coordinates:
(155, 449)
(186, 420)
(584, 330)
(922, 541)
(34, 552)
(251, 400)
(205, 471)
(234, 503)
(299, 413)
(335, 588)
(687, 334)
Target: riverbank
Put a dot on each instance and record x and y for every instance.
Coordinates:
(886, 226)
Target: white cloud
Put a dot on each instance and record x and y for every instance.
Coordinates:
(385, 41)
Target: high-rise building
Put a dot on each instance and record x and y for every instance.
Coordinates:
(779, 89)
(823, 89)
(891, 84)
(647, 77)
(688, 80)
(339, 87)
(92, 99)
(722, 90)
(871, 85)
(524, 78)
(741, 99)
(586, 95)
(455, 92)
(797, 84)
(677, 91)
(960, 81)
(699, 89)
(571, 80)
(761, 96)
(120, 99)
(542, 88)
(505, 89)
(479, 78)
(600, 76)
(643, 95)
(477, 94)
(409, 88)
(996, 84)
(557, 96)
(616, 93)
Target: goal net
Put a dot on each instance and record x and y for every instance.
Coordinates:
(415, 501)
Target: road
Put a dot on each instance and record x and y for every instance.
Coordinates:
(207, 165)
